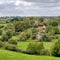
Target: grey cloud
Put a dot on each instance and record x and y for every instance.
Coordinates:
(38, 7)
(43, 1)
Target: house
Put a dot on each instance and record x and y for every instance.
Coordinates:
(38, 36)
(42, 28)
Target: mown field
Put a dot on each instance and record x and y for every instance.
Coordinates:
(9, 55)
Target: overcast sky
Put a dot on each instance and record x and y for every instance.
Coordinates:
(29, 7)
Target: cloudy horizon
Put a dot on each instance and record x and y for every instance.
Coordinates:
(29, 7)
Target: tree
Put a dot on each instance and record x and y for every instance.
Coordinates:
(0, 32)
(20, 26)
(35, 48)
(11, 41)
(53, 23)
(45, 38)
(4, 38)
(56, 49)
(23, 36)
(9, 34)
(14, 19)
(56, 30)
(41, 19)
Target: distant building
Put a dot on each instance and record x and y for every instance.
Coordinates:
(42, 28)
(38, 36)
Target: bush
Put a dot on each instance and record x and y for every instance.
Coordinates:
(56, 30)
(41, 19)
(33, 37)
(45, 52)
(10, 47)
(53, 23)
(4, 38)
(11, 41)
(0, 32)
(1, 44)
(45, 38)
(56, 49)
(28, 35)
(24, 36)
(9, 34)
(35, 48)
(1, 26)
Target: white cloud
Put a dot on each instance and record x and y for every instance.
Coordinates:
(19, 2)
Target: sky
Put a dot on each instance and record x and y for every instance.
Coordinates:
(29, 7)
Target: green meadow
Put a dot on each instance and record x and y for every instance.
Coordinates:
(9, 55)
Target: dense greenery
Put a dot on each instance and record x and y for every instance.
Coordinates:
(35, 48)
(56, 49)
(37, 30)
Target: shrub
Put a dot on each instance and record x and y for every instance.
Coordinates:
(45, 38)
(53, 23)
(10, 47)
(56, 30)
(41, 19)
(1, 26)
(28, 35)
(9, 34)
(11, 41)
(1, 44)
(33, 37)
(45, 52)
(22, 37)
(56, 49)
(0, 32)
(35, 48)
(4, 38)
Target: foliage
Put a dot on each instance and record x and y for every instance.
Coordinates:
(45, 52)
(11, 41)
(0, 32)
(10, 47)
(45, 38)
(41, 19)
(9, 34)
(24, 36)
(1, 44)
(4, 38)
(20, 26)
(14, 19)
(53, 23)
(56, 49)
(35, 48)
(1, 26)
(56, 30)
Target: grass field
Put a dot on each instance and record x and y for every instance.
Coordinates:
(2, 21)
(23, 45)
(9, 55)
